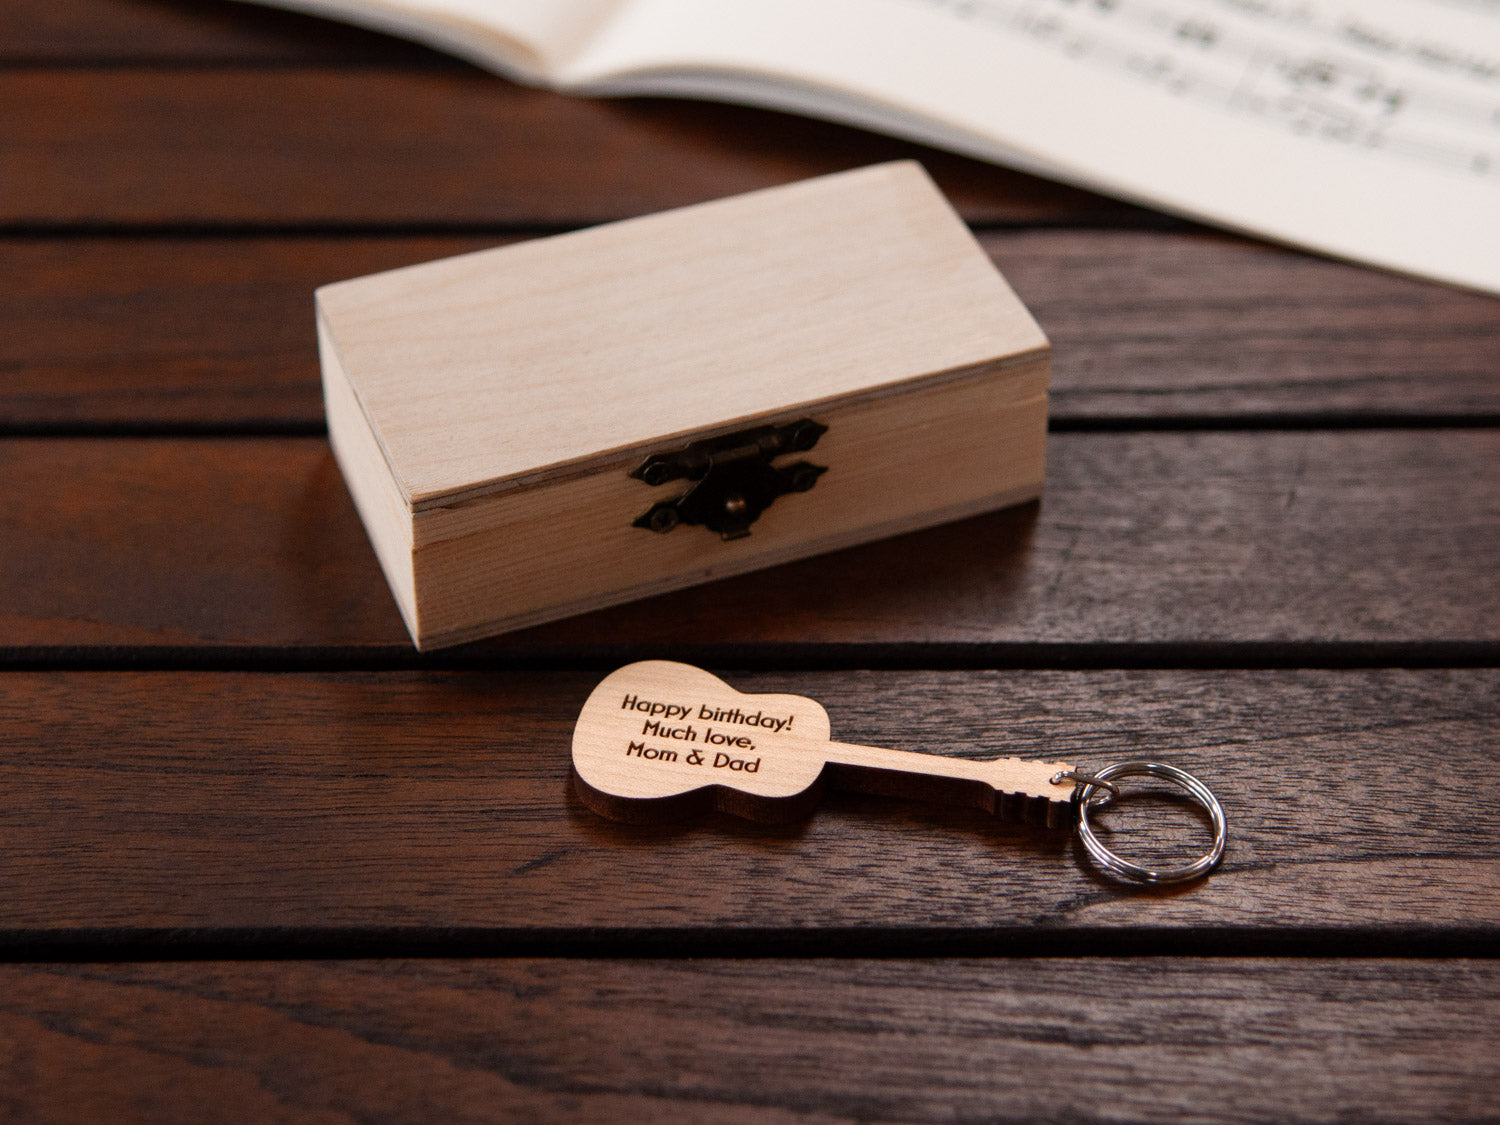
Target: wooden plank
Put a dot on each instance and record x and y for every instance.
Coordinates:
(91, 32)
(179, 812)
(1194, 325)
(1142, 538)
(448, 147)
(147, 332)
(824, 1041)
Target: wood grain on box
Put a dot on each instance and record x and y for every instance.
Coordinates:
(488, 410)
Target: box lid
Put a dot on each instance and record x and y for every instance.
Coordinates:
(530, 362)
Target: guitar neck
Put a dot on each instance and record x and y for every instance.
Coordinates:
(1004, 776)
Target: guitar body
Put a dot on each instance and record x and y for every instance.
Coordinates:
(658, 741)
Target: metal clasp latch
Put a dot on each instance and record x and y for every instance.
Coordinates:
(733, 478)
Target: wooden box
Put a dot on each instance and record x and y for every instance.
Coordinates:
(550, 427)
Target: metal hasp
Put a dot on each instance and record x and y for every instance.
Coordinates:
(734, 480)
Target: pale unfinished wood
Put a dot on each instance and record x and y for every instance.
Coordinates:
(502, 367)
(572, 547)
(658, 739)
(488, 410)
(531, 556)
(381, 506)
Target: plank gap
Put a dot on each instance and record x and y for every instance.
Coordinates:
(1124, 219)
(1021, 656)
(752, 944)
(291, 427)
(187, 230)
(1258, 423)
(404, 56)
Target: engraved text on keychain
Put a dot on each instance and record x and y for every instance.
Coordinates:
(659, 740)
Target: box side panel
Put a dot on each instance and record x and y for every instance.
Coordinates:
(894, 465)
(1009, 381)
(381, 508)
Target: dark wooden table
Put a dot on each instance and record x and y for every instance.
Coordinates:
(259, 860)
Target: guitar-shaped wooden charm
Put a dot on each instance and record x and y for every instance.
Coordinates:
(659, 740)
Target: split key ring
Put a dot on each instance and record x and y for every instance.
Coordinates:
(1095, 790)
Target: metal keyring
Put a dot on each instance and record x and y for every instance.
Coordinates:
(1132, 871)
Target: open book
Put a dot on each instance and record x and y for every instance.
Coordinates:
(1367, 130)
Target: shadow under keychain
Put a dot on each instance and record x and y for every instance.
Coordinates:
(658, 740)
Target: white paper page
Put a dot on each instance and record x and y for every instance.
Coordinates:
(1369, 131)
(525, 39)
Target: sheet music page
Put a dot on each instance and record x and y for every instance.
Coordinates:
(1369, 131)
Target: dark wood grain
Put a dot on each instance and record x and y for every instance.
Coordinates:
(699, 1041)
(1160, 538)
(94, 32)
(361, 811)
(1153, 325)
(176, 178)
(341, 148)
(151, 332)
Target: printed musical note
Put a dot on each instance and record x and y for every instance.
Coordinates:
(1298, 65)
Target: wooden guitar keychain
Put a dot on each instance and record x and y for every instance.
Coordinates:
(658, 740)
